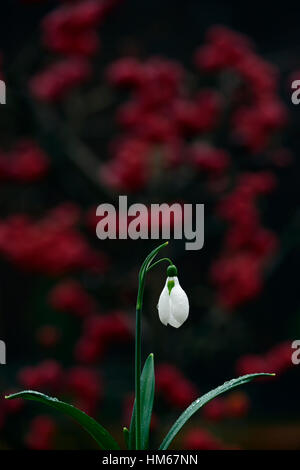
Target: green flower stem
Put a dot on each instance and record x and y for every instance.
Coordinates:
(159, 261)
(146, 266)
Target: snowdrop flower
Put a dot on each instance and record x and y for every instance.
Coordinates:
(173, 304)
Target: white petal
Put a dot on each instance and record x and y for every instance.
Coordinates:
(173, 322)
(164, 306)
(179, 304)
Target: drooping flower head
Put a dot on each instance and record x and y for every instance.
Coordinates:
(173, 304)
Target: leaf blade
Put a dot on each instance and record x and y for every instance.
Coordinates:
(126, 437)
(197, 404)
(99, 434)
(147, 398)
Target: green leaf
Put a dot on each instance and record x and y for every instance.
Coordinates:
(197, 404)
(101, 436)
(147, 397)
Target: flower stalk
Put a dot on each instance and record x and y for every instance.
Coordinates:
(146, 266)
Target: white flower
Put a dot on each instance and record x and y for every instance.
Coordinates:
(173, 304)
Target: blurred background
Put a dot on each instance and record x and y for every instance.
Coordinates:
(168, 101)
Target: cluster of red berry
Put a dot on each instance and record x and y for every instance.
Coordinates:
(202, 439)
(80, 384)
(254, 121)
(25, 163)
(278, 359)
(174, 387)
(71, 297)
(52, 245)
(41, 433)
(238, 273)
(156, 121)
(162, 121)
(69, 31)
(235, 405)
(99, 332)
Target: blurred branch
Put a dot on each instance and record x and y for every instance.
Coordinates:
(48, 122)
(75, 150)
